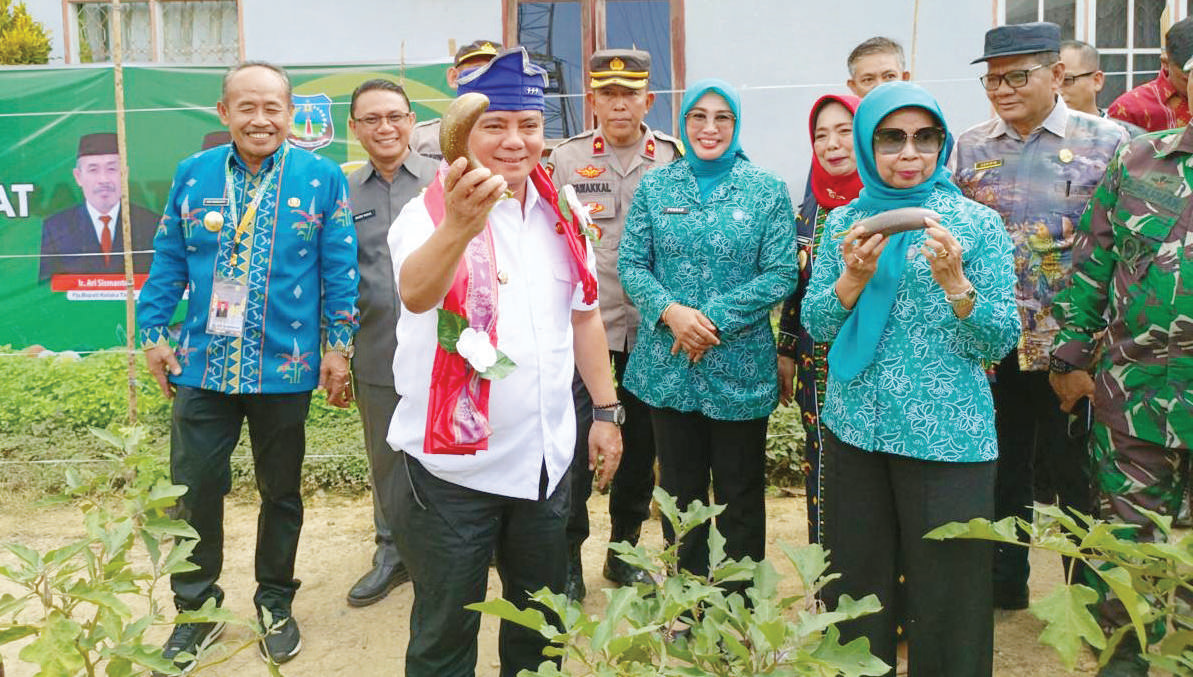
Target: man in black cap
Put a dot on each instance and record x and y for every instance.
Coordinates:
(1036, 163)
(1162, 103)
(88, 238)
(604, 166)
(425, 138)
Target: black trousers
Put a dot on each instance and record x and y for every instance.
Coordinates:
(204, 431)
(376, 404)
(1040, 457)
(447, 535)
(877, 507)
(629, 498)
(692, 447)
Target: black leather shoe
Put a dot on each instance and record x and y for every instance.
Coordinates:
(624, 574)
(574, 588)
(375, 585)
(1011, 598)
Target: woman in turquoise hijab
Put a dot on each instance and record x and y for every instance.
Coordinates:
(909, 443)
(708, 249)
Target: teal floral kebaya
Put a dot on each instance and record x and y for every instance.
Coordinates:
(916, 399)
(732, 256)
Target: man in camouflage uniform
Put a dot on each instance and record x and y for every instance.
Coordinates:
(424, 140)
(1133, 278)
(604, 167)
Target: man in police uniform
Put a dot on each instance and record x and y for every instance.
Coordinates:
(381, 119)
(604, 167)
(425, 139)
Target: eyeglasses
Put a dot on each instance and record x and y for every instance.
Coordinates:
(394, 119)
(890, 141)
(1014, 79)
(700, 118)
(1070, 79)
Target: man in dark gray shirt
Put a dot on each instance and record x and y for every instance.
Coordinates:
(382, 121)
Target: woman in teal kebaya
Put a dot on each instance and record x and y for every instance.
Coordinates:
(909, 443)
(708, 249)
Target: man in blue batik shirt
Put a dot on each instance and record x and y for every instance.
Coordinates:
(260, 234)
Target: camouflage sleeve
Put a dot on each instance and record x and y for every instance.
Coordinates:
(1080, 307)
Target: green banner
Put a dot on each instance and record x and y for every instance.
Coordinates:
(57, 287)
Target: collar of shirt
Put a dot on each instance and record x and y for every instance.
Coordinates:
(236, 162)
(408, 164)
(97, 224)
(1166, 89)
(1056, 122)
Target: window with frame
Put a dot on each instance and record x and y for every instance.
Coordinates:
(1127, 33)
(561, 35)
(169, 31)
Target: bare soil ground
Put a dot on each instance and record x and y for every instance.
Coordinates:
(337, 547)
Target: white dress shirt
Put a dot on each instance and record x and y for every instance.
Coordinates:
(530, 410)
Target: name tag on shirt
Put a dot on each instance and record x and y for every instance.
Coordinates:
(215, 202)
(675, 210)
(988, 164)
(364, 215)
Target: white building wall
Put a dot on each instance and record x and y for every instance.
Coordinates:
(49, 13)
(784, 55)
(364, 31)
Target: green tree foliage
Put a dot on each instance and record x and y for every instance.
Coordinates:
(22, 40)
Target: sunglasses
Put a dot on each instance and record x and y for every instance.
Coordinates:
(889, 141)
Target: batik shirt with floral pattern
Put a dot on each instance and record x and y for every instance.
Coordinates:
(1133, 277)
(1040, 185)
(297, 259)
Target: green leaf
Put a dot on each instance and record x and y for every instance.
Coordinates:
(11, 605)
(1069, 621)
(564, 208)
(449, 327)
(177, 561)
(505, 610)
(1002, 531)
(109, 437)
(119, 666)
(1137, 607)
(810, 562)
(850, 660)
(501, 368)
(55, 650)
(13, 633)
(27, 555)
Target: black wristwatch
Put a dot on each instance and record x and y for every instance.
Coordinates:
(1059, 366)
(614, 414)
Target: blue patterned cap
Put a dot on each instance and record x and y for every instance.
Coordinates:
(510, 81)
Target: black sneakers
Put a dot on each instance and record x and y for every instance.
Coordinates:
(188, 640)
(282, 640)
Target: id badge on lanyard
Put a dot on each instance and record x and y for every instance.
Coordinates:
(229, 296)
(225, 316)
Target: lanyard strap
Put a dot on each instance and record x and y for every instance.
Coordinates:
(242, 225)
